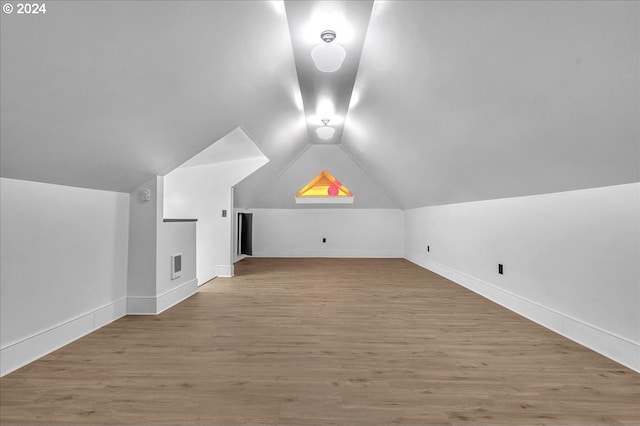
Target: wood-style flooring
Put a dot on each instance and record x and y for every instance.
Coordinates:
(323, 342)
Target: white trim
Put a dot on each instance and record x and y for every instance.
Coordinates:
(203, 278)
(617, 348)
(21, 352)
(176, 295)
(224, 271)
(329, 252)
(141, 305)
(150, 305)
(325, 199)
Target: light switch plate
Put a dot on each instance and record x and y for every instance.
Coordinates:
(145, 195)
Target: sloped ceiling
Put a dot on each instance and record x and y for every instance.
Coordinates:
(452, 101)
(235, 145)
(326, 95)
(460, 101)
(108, 94)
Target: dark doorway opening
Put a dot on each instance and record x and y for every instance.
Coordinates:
(245, 224)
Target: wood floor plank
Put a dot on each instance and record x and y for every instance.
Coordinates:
(321, 342)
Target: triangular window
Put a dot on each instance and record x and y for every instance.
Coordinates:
(324, 189)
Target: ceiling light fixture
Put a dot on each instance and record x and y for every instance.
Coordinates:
(328, 56)
(326, 131)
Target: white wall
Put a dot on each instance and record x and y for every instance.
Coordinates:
(150, 289)
(349, 232)
(174, 238)
(570, 259)
(143, 222)
(64, 266)
(202, 192)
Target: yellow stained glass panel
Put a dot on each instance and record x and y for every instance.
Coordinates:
(324, 185)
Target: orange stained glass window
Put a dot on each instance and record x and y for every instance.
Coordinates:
(324, 185)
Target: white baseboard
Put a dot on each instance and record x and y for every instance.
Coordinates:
(141, 305)
(386, 254)
(239, 258)
(605, 343)
(176, 295)
(20, 353)
(205, 278)
(224, 271)
(149, 305)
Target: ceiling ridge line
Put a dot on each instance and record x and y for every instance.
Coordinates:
(292, 162)
(364, 170)
(254, 140)
(280, 173)
(163, 170)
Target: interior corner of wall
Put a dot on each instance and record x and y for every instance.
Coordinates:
(224, 270)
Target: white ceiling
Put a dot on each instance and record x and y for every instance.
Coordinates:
(108, 94)
(327, 95)
(463, 101)
(235, 145)
(452, 101)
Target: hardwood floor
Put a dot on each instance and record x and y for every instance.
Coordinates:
(324, 341)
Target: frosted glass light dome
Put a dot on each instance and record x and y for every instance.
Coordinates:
(325, 132)
(328, 56)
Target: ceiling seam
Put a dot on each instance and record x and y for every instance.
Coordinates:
(306, 148)
(355, 160)
(254, 140)
(254, 193)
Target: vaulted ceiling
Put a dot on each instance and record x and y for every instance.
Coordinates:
(439, 102)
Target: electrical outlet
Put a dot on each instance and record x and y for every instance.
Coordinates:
(427, 248)
(324, 240)
(500, 269)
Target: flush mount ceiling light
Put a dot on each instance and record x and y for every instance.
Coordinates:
(328, 56)
(326, 131)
